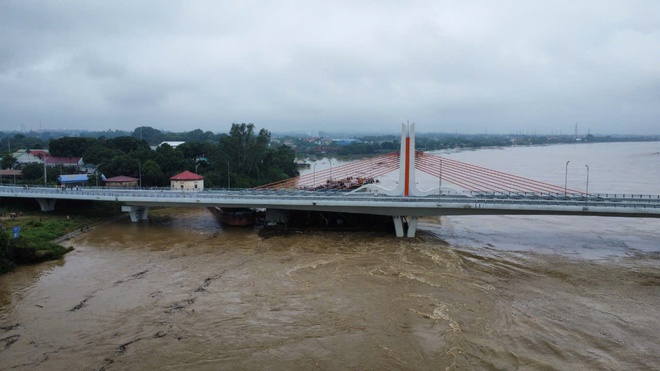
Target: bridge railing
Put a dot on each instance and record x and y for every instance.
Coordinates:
(528, 198)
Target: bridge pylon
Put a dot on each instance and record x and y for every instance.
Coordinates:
(406, 185)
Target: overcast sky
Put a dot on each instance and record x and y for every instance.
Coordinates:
(449, 66)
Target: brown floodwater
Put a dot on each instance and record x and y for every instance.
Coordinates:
(186, 294)
(478, 292)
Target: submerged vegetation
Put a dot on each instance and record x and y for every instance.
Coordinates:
(34, 243)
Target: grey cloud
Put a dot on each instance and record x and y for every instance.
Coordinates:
(497, 65)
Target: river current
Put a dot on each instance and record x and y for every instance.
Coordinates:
(469, 292)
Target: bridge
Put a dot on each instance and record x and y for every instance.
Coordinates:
(468, 190)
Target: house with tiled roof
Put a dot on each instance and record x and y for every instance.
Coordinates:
(187, 181)
(6, 176)
(121, 181)
(41, 153)
(63, 161)
(30, 156)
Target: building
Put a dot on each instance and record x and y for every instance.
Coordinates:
(121, 181)
(172, 143)
(72, 180)
(64, 161)
(9, 176)
(187, 181)
(30, 156)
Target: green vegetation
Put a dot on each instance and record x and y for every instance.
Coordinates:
(38, 230)
(243, 158)
(368, 145)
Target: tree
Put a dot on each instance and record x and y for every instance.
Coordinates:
(99, 153)
(245, 150)
(193, 150)
(215, 179)
(279, 164)
(150, 135)
(70, 146)
(126, 144)
(123, 165)
(33, 172)
(8, 161)
(170, 160)
(152, 175)
(21, 141)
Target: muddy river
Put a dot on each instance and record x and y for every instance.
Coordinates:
(467, 293)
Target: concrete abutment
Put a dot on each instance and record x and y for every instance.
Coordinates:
(46, 204)
(137, 213)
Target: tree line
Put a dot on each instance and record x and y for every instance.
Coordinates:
(367, 145)
(242, 158)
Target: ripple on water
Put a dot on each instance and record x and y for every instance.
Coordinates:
(189, 294)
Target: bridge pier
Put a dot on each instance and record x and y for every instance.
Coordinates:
(399, 225)
(276, 217)
(137, 213)
(412, 226)
(46, 204)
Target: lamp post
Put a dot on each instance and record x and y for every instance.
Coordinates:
(196, 168)
(139, 172)
(330, 169)
(97, 173)
(45, 175)
(440, 179)
(228, 177)
(587, 193)
(566, 177)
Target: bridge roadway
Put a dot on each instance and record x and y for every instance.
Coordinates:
(138, 202)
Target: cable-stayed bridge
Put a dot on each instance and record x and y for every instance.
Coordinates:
(456, 176)
(463, 189)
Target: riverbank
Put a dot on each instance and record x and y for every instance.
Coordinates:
(29, 236)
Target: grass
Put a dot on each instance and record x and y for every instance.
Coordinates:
(38, 229)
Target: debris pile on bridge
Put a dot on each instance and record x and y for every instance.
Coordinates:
(367, 169)
(344, 184)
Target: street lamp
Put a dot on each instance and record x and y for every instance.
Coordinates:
(196, 168)
(45, 176)
(139, 171)
(97, 173)
(440, 179)
(330, 170)
(587, 180)
(566, 177)
(314, 177)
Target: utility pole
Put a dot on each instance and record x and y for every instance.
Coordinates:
(45, 158)
(566, 177)
(587, 192)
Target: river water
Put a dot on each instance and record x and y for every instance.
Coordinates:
(469, 292)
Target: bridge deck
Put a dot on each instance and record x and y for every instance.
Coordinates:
(475, 203)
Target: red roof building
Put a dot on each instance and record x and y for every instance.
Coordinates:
(187, 181)
(187, 175)
(121, 181)
(63, 161)
(39, 153)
